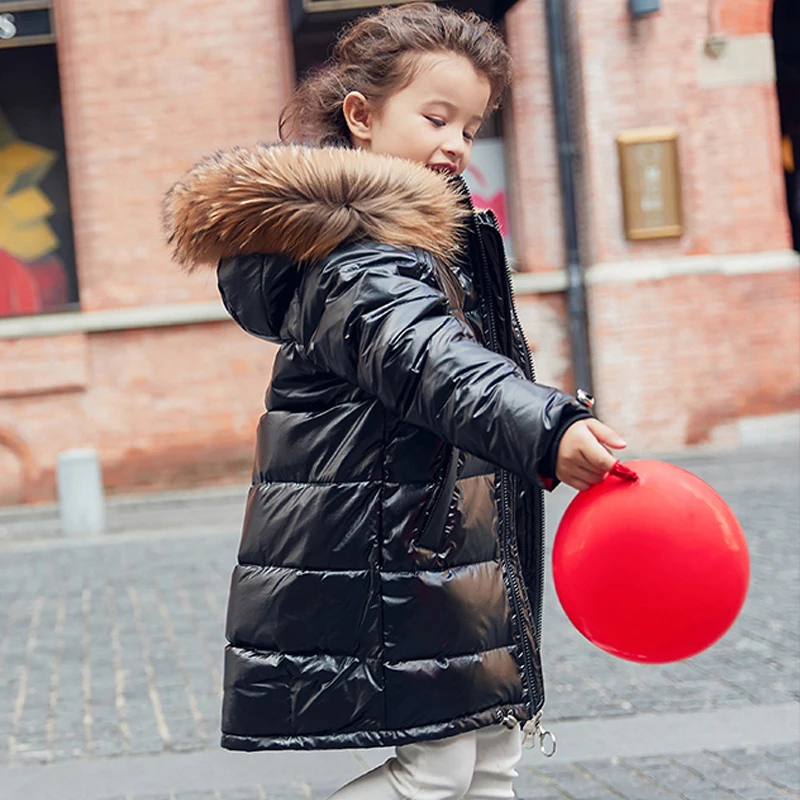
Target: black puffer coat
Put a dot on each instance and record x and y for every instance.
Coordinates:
(389, 581)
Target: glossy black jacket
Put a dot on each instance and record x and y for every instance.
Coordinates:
(388, 585)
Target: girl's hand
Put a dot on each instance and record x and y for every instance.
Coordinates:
(583, 457)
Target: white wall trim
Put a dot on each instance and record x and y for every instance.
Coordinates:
(539, 282)
(660, 269)
(114, 319)
(742, 60)
(525, 283)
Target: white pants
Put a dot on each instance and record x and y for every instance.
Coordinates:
(478, 765)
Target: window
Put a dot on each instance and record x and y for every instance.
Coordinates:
(37, 260)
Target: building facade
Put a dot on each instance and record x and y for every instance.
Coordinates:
(692, 285)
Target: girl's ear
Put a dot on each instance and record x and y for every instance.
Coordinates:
(358, 116)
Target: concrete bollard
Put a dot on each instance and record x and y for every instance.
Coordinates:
(80, 493)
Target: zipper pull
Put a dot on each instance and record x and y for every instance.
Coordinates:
(547, 740)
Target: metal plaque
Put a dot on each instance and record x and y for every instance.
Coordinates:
(650, 181)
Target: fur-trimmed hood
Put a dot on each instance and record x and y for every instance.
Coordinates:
(304, 202)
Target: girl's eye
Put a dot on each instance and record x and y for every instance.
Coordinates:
(439, 123)
(470, 137)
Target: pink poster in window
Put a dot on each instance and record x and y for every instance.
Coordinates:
(486, 179)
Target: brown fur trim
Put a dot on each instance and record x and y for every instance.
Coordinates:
(304, 202)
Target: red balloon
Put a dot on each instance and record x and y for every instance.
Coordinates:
(650, 564)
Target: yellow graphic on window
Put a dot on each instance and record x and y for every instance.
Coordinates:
(24, 208)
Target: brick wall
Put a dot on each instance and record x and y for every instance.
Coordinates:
(649, 73)
(163, 407)
(147, 88)
(677, 360)
(743, 17)
(532, 156)
(151, 87)
(657, 339)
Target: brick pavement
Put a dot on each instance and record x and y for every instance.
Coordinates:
(113, 648)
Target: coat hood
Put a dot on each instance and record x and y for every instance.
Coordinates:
(304, 202)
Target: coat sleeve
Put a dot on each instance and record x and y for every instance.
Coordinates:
(368, 320)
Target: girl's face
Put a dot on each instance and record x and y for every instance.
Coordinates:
(433, 120)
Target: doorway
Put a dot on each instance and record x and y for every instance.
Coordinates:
(786, 35)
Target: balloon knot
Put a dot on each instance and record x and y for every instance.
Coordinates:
(626, 473)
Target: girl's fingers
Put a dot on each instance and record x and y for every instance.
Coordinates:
(581, 478)
(605, 435)
(587, 475)
(587, 460)
(596, 459)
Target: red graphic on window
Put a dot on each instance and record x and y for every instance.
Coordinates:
(496, 203)
(29, 288)
(19, 293)
(50, 275)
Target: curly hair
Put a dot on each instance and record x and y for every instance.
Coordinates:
(375, 55)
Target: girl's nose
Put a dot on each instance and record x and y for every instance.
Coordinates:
(455, 148)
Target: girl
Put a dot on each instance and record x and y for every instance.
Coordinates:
(389, 582)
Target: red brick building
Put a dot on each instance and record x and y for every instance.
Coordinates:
(105, 344)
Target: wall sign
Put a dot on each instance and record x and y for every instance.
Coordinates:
(26, 22)
(651, 186)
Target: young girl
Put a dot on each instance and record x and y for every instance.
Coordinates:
(389, 582)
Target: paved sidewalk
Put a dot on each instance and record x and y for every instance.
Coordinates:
(110, 662)
(602, 758)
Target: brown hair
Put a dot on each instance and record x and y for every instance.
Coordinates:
(374, 56)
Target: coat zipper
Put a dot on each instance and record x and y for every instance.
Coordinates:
(532, 370)
(510, 554)
(533, 728)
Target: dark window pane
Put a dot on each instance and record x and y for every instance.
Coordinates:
(37, 260)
